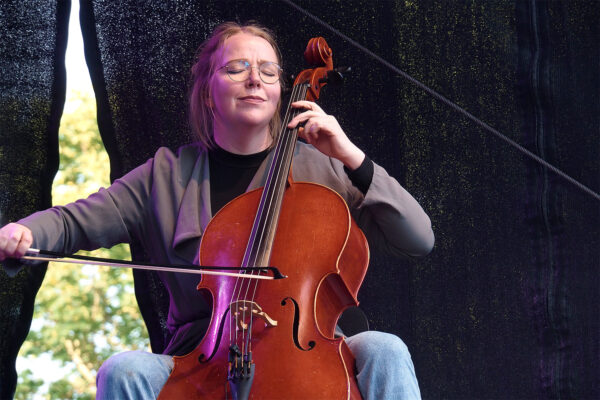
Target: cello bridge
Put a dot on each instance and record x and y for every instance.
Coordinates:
(242, 309)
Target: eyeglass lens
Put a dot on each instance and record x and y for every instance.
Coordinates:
(239, 70)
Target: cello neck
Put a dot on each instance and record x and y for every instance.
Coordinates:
(307, 86)
(259, 246)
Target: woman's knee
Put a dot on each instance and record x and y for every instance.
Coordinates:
(375, 345)
(133, 374)
(119, 366)
(131, 364)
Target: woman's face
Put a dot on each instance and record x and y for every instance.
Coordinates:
(249, 105)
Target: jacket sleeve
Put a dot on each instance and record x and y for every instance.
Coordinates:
(107, 217)
(392, 220)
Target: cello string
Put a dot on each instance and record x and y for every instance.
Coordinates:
(254, 248)
(248, 259)
(449, 103)
(251, 253)
(273, 195)
(266, 205)
(287, 140)
(275, 175)
(233, 317)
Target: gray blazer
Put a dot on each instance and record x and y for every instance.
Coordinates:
(165, 205)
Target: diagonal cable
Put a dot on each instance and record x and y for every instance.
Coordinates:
(449, 103)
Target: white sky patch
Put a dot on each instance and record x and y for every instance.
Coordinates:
(78, 76)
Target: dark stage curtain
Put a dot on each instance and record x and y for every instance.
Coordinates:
(507, 305)
(33, 39)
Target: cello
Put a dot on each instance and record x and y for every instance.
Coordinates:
(276, 339)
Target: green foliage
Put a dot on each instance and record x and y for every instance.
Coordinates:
(30, 383)
(82, 314)
(84, 164)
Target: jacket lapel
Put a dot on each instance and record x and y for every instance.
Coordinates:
(194, 212)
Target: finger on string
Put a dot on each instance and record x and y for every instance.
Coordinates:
(298, 121)
(309, 105)
(303, 118)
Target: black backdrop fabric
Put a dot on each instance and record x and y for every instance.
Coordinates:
(506, 306)
(33, 38)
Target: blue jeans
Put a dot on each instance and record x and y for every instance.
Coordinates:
(385, 371)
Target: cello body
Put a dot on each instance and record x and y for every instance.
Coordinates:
(275, 339)
(325, 263)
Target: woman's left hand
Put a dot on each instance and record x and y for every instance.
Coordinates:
(325, 133)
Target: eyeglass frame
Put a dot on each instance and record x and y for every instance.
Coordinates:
(249, 68)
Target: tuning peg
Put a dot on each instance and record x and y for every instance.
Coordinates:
(335, 76)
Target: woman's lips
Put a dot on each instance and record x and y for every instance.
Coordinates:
(252, 99)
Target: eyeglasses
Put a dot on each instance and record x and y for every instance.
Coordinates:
(239, 71)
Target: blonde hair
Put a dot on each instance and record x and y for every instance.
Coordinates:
(201, 113)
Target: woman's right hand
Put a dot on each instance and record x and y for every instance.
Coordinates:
(15, 240)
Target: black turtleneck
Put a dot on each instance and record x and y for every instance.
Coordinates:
(230, 175)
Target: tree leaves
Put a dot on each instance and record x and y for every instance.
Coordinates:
(83, 314)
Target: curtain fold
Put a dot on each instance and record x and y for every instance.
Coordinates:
(33, 39)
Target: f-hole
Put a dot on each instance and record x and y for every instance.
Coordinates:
(312, 343)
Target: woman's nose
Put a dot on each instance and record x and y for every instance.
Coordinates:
(254, 76)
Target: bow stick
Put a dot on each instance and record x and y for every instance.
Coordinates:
(45, 255)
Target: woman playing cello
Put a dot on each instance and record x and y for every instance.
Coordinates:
(167, 203)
